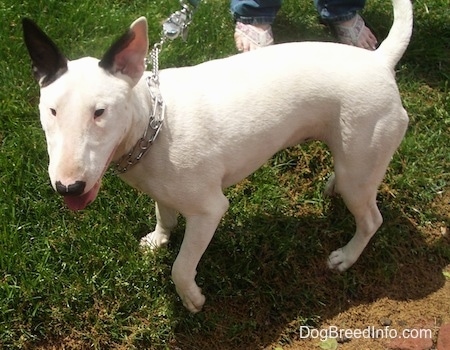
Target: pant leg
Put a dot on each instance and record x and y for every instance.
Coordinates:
(338, 10)
(255, 11)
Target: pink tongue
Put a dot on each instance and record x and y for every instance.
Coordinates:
(81, 202)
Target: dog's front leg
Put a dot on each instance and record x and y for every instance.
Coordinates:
(166, 220)
(200, 229)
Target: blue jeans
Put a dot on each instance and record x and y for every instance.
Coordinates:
(265, 11)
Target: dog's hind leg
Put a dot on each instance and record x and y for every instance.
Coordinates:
(200, 228)
(360, 165)
(357, 177)
(361, 202)
(166, 220)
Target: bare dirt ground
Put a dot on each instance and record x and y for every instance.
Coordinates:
(422, 317)
(392, 316)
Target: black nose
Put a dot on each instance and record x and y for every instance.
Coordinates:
(74, 189)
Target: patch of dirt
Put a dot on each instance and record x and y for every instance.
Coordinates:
(379, 322)
(387, 317)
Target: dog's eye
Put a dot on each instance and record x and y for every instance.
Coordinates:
(98, 112)
(53, 111)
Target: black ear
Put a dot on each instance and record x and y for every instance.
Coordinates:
(48, 61)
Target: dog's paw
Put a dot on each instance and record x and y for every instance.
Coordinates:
(338, 260)
(192, 298)
(154, 240)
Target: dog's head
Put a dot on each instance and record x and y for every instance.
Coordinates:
(83, 107)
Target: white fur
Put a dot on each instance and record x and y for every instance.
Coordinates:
(224, 119)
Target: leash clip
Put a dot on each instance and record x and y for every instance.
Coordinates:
(177, 23)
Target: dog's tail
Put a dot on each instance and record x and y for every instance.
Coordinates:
(395, 44)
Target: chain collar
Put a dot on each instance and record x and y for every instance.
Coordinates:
(173, 27)
(154, 127)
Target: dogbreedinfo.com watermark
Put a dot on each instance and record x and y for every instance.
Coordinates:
(369, 332)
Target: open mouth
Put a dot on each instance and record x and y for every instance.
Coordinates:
(76, 203)
(80, 202)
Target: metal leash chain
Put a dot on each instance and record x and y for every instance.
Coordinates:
(173, 27)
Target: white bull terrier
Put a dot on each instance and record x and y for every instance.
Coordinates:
(223, 120)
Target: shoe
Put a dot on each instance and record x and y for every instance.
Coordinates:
(251, 37)
(355, 32)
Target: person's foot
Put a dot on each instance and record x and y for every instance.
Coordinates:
(355, 32)
(252, 36)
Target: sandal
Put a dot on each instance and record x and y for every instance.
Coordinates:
(250, 37)
(350, 34)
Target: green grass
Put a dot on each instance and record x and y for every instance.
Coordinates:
(79, 280)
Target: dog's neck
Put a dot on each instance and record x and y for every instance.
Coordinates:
(141, 105)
